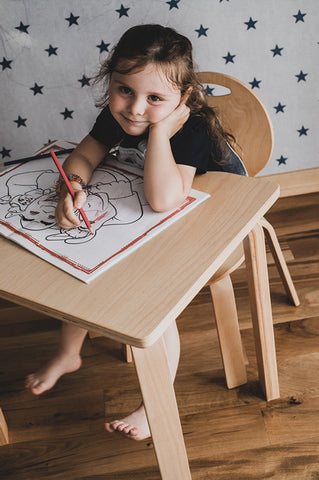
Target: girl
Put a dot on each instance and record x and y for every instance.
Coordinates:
(155, 115)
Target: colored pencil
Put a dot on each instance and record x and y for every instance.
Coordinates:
(68, 184)
(35, 157)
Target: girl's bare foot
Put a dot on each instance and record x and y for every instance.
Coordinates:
(47, 376)
(134, 426)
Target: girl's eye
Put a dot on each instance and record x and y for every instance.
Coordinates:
(125, 90)
(154, 98)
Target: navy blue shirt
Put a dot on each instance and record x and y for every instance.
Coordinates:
(190, 145)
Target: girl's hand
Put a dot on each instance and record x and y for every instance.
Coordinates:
(175, 120)
(64, 212)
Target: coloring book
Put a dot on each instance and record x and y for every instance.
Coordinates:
(116, 207)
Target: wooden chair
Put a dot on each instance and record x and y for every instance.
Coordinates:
(242, 114)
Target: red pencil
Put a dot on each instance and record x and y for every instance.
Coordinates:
(68, 184)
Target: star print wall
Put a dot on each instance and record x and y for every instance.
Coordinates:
(50, 51)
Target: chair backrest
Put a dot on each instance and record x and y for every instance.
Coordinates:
(244, 116)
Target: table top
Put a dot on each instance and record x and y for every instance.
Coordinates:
(136, 300)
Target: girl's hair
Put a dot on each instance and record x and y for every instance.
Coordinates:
(154, 44)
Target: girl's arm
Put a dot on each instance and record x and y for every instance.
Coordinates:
(166, 184)
(82, 162)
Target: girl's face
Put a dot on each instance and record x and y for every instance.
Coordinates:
(138, 99)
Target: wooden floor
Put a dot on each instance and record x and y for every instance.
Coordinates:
(229, 434)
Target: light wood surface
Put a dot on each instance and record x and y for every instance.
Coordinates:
(110, 302)
(4, 436)
(259, 296)
(147, 305)
(229, 434)
(162, 415)
(280, 261)
(228, 332)
(299, 182)
(244, 115)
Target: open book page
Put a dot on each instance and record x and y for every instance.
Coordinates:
(116, 207)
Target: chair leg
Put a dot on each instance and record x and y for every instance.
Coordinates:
(280, 261)
(4, 436)
(127, 353)
(228, 332)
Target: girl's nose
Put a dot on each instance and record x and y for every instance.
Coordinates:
(137, 106)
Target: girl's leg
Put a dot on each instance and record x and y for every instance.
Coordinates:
(67, 359)
(135, 425)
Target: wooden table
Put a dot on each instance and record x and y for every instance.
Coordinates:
(136, 300)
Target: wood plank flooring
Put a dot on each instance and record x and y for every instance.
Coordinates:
(229, 434)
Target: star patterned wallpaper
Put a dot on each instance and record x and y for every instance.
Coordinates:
(50, 50)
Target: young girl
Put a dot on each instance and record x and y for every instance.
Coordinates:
(155, 116)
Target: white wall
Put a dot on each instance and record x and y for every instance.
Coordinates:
(247, 30)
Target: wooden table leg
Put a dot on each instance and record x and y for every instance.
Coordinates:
(259, 294)
(161, 408)
(4, 436)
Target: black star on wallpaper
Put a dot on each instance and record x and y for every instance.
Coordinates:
(202, 31)
(229, 58)
(301, 76)
(73, 20)
(37, 89)
(173, 4)
(276, 50)
(235, 25)
(208, 90)
(20, 121)
(251, 23)
(104, 47)
(51, 50)
(67, 113)
(5, 153)
(279, 108)
(123, 11)
(303, 131)
(84, 81)
(6, 63)
(23, 28)
(299, 16)
(281, 160)
(255, 83)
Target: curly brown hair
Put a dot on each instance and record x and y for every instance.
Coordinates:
(162, 46)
